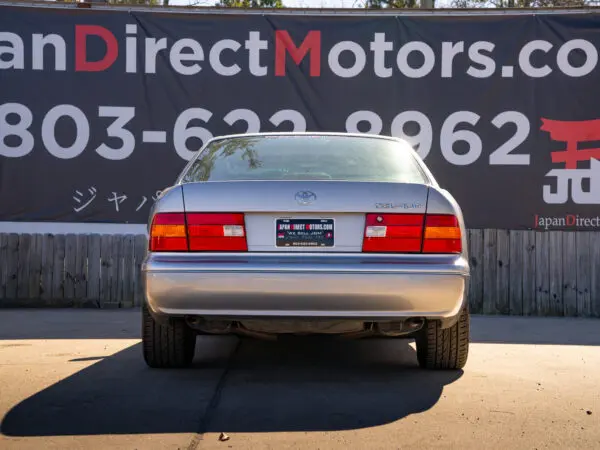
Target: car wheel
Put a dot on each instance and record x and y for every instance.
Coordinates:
(167, 346)
(448, 348)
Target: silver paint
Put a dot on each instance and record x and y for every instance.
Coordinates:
(339, 282)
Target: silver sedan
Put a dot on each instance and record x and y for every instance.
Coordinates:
(306, 233)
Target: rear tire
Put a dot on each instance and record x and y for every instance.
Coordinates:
(167, 346)
(448, 348)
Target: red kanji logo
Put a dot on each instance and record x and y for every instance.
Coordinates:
(573, 134)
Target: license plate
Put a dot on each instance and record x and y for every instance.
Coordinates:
(304, 232)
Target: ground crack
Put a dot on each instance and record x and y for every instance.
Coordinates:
(214, 401)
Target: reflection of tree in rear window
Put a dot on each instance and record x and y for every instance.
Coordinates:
(339, 158)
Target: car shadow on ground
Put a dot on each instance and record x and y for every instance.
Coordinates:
(237, 386)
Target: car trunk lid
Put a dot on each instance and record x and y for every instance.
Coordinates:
(302, 216)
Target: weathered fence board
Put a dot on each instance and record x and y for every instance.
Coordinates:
(490, 270)
(106, 262)
(529, 271)
(542, 274)
(80, 274)
(129, 273)
(476, 262)
(12, 266)
(115, 270)
(584, 277)
(512, 272)
(70, 266)
(516, 258)
(569, 274)
(58, 272)
(555, 268)
(93, 269)
(35, 266)
(24, 266)
(47, 267)
(502, 274)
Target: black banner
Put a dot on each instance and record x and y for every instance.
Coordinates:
(100, 109)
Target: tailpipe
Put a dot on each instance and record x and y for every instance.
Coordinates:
(402, 328)
(226, 327)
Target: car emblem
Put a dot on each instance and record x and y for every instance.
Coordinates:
(305, 197)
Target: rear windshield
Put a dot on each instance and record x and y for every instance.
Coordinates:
(339, 158)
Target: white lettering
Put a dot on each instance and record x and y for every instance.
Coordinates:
(449, 135)
(82, 131)
(525, 59)
(182, 131)
(19, 129)
(374, 121)
(177, 57)
(254, 45)
(488, 63)
(131, 49)
(215, 57)
(289, 115)
(428, 59)
(449, 51)
(16, 49)
(153, 46)
(244, 115)
(117, 130)
(360, 59)
(379, 46)
(591, 57)
(39, 41)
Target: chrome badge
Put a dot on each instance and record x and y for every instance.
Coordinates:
(398, 205)
(305, 197)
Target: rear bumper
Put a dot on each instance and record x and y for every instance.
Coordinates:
(365, 287)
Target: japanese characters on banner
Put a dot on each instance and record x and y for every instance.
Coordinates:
(100, 110)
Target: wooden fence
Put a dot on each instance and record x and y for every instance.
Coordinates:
(552, 273)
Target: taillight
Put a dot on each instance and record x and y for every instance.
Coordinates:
(393, 233)
(216, 232)
(168, 233)
(198, 232)
(412, 233)
(442, 234)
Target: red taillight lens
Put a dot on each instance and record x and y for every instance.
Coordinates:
(168, 233)
(412, 233)
(216, 232)
(393, 233)
(442, 234)
(198, 232)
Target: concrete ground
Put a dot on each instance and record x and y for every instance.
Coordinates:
(76, 379)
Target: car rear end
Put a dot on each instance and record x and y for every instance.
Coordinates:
(323, 233)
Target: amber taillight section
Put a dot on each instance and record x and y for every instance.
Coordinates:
(167, 233)
(442, 234)
(198, 232)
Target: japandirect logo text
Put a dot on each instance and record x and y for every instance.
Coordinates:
(570, 220)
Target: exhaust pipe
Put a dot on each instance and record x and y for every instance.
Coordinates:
(394, 329)
(226, 327)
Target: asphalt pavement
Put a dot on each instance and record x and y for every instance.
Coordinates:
(76, 379)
